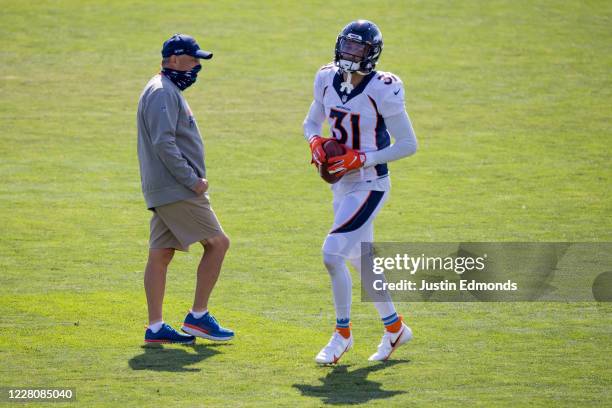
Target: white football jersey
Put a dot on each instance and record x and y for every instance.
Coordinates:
(357, 120)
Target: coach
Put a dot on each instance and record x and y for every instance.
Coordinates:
(173, 177)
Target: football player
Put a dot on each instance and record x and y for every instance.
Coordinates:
(363, 107)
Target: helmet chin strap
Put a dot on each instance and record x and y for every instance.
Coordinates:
(349, 67)
(347, 85)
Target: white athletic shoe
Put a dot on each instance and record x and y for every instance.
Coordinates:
(336, 347)
(390, 342)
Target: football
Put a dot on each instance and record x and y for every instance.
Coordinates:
(332, 148)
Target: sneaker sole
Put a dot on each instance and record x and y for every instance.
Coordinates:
(196, 331)
(152, 342)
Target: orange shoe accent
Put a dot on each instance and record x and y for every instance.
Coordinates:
(191, 326)
(345, 331)
(395, 327)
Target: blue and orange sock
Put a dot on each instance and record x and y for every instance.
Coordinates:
(343, 326)
(393, 323)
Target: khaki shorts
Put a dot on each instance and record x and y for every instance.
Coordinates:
(180, 224)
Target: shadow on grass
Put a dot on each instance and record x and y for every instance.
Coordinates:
(174, 358)
(341, 386)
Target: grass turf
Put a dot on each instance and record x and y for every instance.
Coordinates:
(510, 102)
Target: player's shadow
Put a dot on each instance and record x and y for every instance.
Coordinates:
(341, 386)
(173, 358)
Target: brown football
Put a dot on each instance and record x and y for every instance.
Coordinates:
(332, 148)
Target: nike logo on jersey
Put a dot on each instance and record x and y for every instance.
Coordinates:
(396, 92)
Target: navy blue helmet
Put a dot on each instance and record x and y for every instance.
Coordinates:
(358, 47)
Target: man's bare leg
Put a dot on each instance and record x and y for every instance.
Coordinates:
(209, 269)
(155, 281)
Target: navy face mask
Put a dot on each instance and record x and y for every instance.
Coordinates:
(182, 79)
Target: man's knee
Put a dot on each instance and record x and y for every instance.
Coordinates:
(220, 242)
(333, 263)
(161, 255)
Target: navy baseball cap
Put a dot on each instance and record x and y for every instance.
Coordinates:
(181, 44)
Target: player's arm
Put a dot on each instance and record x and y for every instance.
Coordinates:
(393, 110)
(405, 144)
(314, 120)
(162, 118)
(312, 131)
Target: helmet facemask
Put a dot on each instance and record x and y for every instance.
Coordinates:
(352, 53)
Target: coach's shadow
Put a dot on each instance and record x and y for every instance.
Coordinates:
(341, 386)
(173, 359)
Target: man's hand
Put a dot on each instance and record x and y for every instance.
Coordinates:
(200, 187)
(351, 160)
(316, 148)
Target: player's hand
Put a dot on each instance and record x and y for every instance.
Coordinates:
(200, 187)
(351, 160)
(316, 148)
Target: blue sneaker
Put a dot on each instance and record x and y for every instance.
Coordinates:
(206, 327)
(168, 335)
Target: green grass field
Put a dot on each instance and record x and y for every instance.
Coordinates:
(511, 103)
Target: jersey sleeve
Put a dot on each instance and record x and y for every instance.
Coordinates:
(317, 92)
(405, 141)
(392, 97)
